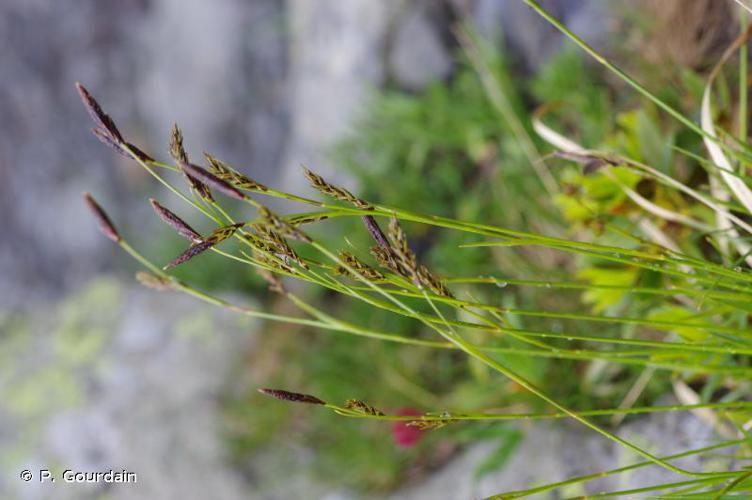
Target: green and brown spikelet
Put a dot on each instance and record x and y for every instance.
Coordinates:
(221, 170)
(177, 151)
(333, 191)
(217, 236)
(361, 268)
(359, 406)
(293, 397)
(425, 425)
(153, 281)
(401, 249)
(432, 282)
(276, 244)
(281, 226)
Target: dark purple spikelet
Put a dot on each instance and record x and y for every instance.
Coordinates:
(175, 222)
(294, 397)
(212, 180)
(105, 224)
(375, 230)
(191, 252)
(101, 118)
(122, 149)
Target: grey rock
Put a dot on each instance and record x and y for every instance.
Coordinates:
(418, 54)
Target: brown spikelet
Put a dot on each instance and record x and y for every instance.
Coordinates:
(280, 225)
(224, 172)
(293, 397)
(375, 231)
(177, 151)
(153, 281)
(425, 425)
(204, 176)
(362, 269)
(105, 224)
(278, 244)
(361, 407)
(191, 252)
(402, 249)
(433, 283)
(324, 187)
(221, 234)
(281, 263)
(121, 148)
(175, 222)
(102, 119)
(307, 219)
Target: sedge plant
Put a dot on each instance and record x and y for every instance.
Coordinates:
(707, 335)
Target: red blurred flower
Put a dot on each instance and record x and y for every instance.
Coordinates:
(405, 435)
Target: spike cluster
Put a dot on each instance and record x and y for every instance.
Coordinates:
(281, 226)
(339, 193)
(177, 151)
(362, 269)
(106, 130)
(277, 245)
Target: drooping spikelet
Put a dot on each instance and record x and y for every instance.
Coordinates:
(191, 252)
(294, 397)
(106, 130)
(175, 222)
(105, 224)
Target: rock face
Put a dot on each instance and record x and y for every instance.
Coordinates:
(119, 378)
(262, 84)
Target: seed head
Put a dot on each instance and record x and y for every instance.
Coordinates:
(204, 176)
(362, 269)
(293, 397)
(177, 151)
(224, 172)
(191, 252)
(105, 224)
(361, 407)
(337, 192)
(102, 119)
(175, 222)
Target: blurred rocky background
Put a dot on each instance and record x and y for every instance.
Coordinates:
(99, 373)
